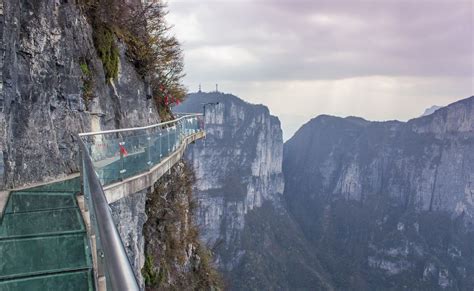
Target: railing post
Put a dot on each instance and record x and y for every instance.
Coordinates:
(161, 147)
(149, 151)
(183, 134)
(174, 138)
(122, 160)
(180, 132)
(168, 140)
(81, 173)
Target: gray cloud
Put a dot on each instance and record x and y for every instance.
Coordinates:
(290, 42)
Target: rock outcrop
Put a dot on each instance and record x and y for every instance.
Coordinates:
(431, 110)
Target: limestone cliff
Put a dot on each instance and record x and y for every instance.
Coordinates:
(238, 167)
(44, 44)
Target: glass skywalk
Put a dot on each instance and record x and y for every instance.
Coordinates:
(44, 244)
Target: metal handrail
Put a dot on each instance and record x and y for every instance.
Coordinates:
(138, 128)
(119, 268)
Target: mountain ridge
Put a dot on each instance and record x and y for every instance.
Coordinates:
(375, 198)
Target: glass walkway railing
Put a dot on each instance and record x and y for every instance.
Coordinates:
(112, 156)
(119, 154)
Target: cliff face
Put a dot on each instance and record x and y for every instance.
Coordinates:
(238, 166)
(44, 45)
(239, 186)
(387, 203)
(129, 214)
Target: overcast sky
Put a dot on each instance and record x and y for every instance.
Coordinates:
(379, 59)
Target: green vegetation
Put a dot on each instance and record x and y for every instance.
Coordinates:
(104, 41)
(85, 69)
(206, 273)
(88, 83)
(155, 52)
(149, 273)
(101, 15)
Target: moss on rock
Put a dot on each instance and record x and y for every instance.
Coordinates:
(88, 83)
(104, 41)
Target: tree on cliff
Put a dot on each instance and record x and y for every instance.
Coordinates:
(151, 46)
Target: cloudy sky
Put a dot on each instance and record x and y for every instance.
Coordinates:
(380, 60)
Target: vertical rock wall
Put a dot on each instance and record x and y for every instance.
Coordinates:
(238, 168)
(45, 43)
(129, 214)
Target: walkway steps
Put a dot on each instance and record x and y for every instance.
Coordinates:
(41, 223)
(42, 255)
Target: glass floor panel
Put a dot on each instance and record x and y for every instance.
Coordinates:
(33, 201)
(71, 185)
(81, 280)
(40, 255)
(41, 222)
(43, 242)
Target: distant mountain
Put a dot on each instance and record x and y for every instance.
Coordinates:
(387, 205)
(431, 110)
